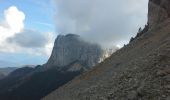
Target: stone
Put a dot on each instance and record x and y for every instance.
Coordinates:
(167, 98)
(161, 73)
(167, 87)
(164, 96)
(132, 95)
(167, 78)
(167, 70)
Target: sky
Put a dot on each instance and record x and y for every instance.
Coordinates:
(28, 28)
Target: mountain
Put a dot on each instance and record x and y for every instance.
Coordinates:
(71, 50)
(5, 71)
(29, 84)
(138, 71)
(13, 79)
(70, 57)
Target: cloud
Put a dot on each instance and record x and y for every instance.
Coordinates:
(12, 24)
(103, 21)
(29, 39)
(14, 19)
(15, 38)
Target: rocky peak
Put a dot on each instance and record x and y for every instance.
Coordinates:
(159, 10)
(70, 49)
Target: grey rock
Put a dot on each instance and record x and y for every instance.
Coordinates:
(167, 78)
(132, 95)
(70, 49)
(168, 98)
(161, 73)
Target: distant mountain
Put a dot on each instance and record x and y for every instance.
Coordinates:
(5, 71)
(138, 71)
(31, 84)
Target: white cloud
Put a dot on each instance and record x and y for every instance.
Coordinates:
(15, 19)
(15, 38)
(12, 24)
(50, 43)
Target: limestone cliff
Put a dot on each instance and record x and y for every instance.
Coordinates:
(70, 50)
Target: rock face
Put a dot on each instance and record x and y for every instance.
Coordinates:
(70, 49)
(138, 71)
(159, 10)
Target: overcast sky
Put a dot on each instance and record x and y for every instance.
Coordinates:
(28, 28)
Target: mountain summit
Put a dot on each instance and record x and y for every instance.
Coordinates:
(73, 52)
(138, 71)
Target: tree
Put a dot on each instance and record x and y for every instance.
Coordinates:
(140, 30)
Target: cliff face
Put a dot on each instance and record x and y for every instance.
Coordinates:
(159, 11)
(70, 49)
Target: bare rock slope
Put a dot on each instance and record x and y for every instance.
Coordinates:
(138, 71)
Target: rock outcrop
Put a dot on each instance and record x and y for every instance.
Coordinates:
(70, 50)
(159, 11)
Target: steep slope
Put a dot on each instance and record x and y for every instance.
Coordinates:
(139, 71)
